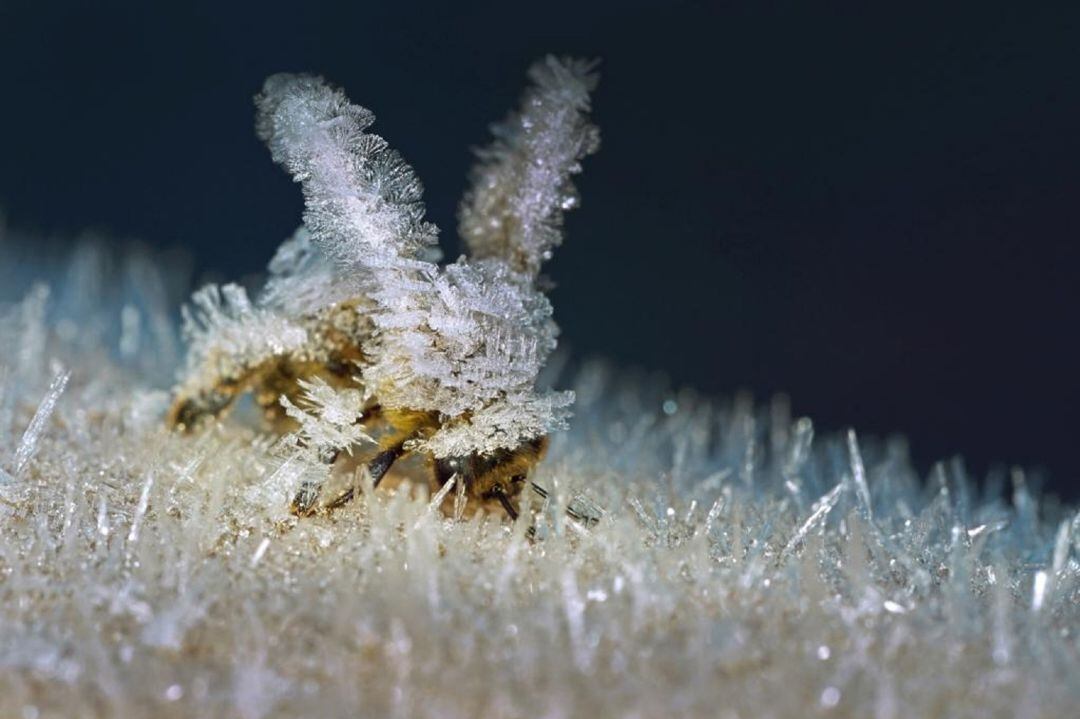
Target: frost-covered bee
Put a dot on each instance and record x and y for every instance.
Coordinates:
(359, 341)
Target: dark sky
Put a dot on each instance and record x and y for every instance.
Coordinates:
(875, 210)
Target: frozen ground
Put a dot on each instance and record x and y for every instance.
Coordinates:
(741, 568)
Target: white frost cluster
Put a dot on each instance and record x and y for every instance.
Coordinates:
(225, 331)
(742, 567)
(327, 417)
(465, 340)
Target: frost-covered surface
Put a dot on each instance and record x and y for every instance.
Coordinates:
(741, 568)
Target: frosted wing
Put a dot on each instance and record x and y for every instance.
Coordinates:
(363, 202)
(303, 280)
(521, 186)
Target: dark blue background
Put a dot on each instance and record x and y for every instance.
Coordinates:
(875, 210)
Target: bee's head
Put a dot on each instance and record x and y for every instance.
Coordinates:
(499, 475)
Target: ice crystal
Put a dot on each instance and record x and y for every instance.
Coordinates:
(29, 443)
(328, 418)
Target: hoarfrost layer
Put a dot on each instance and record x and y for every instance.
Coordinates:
(742, 567)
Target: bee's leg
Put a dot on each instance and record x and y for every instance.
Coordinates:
(406, 425)
(303, 504)
(571, 511)
(187, 412)
(215, 400)
(378, 467)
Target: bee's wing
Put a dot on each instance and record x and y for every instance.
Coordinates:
(364, 205)
(521, 184)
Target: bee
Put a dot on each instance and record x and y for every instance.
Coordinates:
(359, 336)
